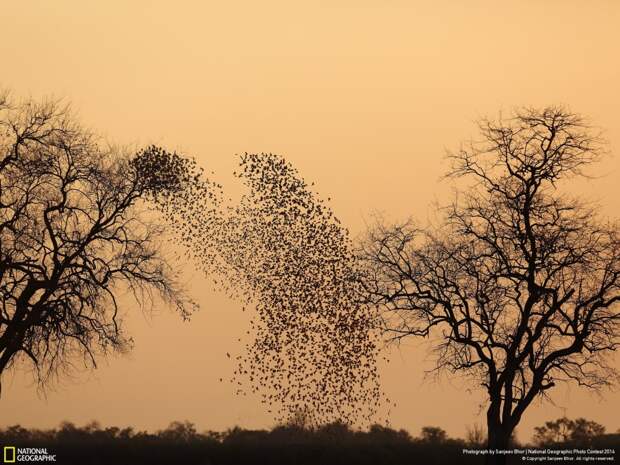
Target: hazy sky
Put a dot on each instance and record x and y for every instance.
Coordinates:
(362, 96)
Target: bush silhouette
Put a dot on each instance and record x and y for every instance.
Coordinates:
(182, 443)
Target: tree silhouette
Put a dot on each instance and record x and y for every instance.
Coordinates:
(433, 434)
(475, 436)
(518, 286)
(563, 430)
(76, 230)
(282, 250)
(181, 443)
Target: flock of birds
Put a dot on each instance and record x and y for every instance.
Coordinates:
(312, 351)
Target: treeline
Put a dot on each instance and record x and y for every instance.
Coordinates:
(334, 443)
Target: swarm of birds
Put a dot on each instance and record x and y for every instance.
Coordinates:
(188, 201)
(281, 251)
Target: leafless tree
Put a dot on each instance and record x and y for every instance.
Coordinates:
(518, 287)
(76, 231)
(475, 436)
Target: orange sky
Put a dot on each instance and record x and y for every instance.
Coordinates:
(362, 96)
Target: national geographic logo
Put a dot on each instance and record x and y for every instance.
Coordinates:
(9, 454)
(12, 454)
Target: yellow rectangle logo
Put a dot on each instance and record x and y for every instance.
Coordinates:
(9, 454)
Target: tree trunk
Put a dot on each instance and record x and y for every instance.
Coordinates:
(499, 440)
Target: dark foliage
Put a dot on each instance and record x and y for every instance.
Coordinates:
(579, 432)
(180, 443)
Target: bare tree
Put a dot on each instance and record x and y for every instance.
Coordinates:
(518, 287)
(475, 435)
(76, 231)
